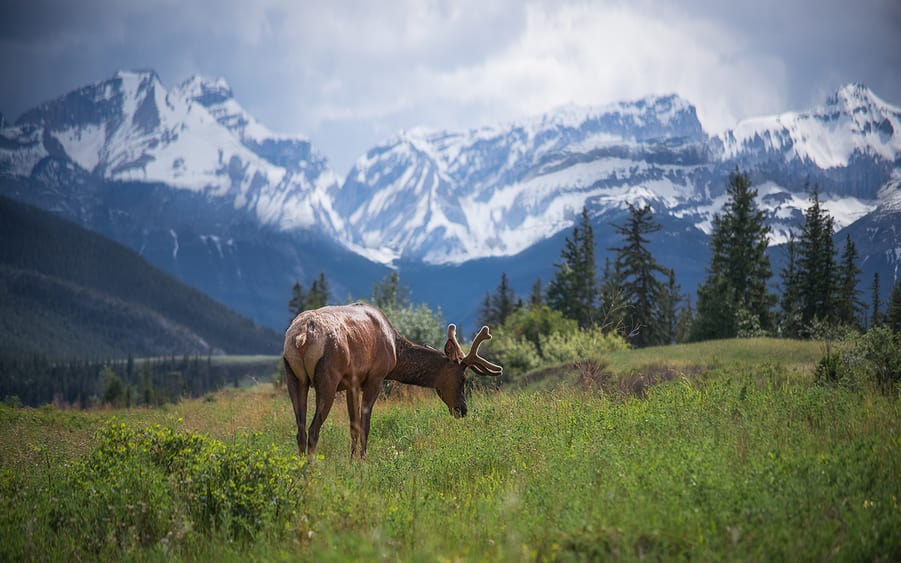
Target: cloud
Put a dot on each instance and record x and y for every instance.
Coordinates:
(349, 73)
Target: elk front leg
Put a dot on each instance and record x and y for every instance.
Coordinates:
(370, 394)
(298, 391)
(354, 399)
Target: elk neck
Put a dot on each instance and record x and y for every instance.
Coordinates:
(417, 365)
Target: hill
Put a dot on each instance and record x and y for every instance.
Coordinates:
(70, 293)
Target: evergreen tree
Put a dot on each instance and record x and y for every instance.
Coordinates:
(642, 291)
(298, 302)
(847, 303)
(613, 306)
(536, 298)
(573, 291)
(669, 309)
(739, 266)
(816, 265)
(876, 314)
(496, 308)
(894, 308)
(685, 321)
(319, 293)
(390, 293)
(791, 299)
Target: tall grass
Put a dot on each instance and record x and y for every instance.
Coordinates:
(744, 462)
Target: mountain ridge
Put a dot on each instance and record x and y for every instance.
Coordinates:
(425, 200)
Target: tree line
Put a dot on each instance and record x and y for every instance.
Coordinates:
(639, 298)
(38, 380)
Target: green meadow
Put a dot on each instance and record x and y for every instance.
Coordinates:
(736, 454)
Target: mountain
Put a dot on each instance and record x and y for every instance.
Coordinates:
(451, 197)
(70, 293)
(191, 181)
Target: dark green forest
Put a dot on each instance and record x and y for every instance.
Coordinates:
(70, 298)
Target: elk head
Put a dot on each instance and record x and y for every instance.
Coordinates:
(451, 382)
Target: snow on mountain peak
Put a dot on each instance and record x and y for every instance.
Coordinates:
(853, 121)
(206, 90)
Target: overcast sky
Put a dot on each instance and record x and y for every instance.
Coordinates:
(349, 74)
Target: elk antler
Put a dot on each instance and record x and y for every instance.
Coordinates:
(477, 363)
(452, 348)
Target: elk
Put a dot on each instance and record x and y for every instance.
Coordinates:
(355, 348)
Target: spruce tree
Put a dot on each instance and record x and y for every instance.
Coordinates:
(390, 293)
(669, 309)
(496, 308)
(893, 318)
(573, 291)
(876, 313)
(298, 302)
(790, 323)
(739, 267)
(642, 291)
(816, 265)
(319, 293)
(847, 303)
(613, 306)
(536, 298)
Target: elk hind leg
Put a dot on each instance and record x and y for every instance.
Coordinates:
(326, 387)
(298, 390)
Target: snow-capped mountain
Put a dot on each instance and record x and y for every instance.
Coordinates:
(449, 197)
(190, 179)
(194, 137)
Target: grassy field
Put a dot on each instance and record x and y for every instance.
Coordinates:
(740, 457)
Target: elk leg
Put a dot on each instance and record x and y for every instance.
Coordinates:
(298, 391)
(370, 394)
(354, 396)
(325, 396)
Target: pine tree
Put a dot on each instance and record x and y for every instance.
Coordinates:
(298, 302)
(894, 308)
(847, 303)
(642, 291)
(685, 321)
(669, 309)
(739, 266)
(390, 292)
(536, 298)
(613, 306)
(876, 314)
(790, 323)
(573, 291)
(319, 293)
(816, 265)
(496, 308)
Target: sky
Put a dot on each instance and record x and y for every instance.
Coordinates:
(351, 74)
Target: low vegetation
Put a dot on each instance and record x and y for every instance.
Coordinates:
(729, 458)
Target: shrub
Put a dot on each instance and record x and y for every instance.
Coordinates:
(873, 358)
(141, 486)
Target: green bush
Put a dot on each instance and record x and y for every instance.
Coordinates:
(138, 488)
(860, 360)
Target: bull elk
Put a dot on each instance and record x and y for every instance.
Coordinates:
(355, 348)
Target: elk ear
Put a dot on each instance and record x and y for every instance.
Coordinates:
(452, 348)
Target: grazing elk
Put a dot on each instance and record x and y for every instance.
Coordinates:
(354, 348)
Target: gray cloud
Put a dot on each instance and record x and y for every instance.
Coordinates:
(350, 73)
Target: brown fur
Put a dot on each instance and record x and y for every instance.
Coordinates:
(355, 348)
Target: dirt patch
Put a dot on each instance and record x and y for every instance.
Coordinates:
(593, 376)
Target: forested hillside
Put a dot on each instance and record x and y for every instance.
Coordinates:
(68, 293)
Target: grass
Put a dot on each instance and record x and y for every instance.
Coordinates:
(744, 460)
